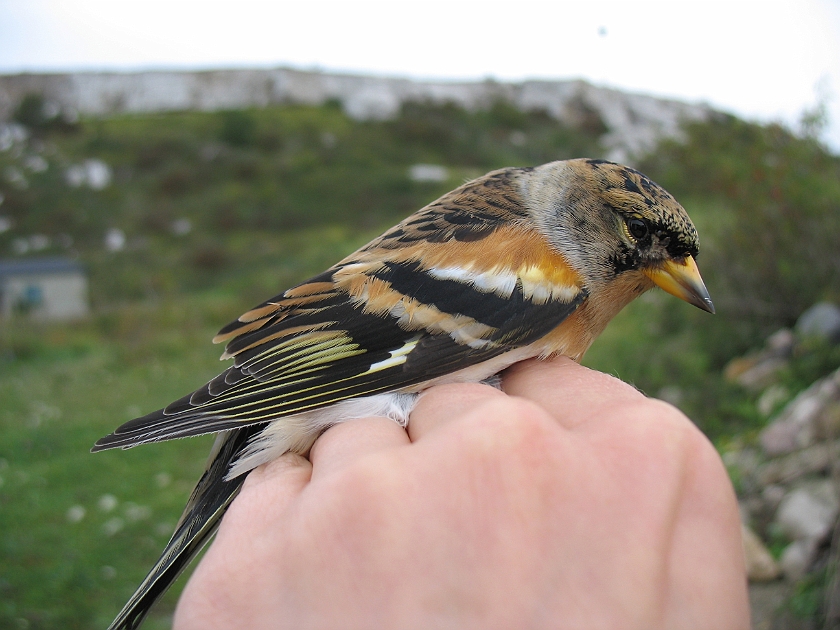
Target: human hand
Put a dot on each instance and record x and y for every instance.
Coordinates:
(568, 501)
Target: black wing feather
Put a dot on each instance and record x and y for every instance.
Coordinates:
(266, 383)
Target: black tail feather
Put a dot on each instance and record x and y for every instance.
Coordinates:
(208, 503)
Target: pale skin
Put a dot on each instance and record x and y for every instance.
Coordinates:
(568, 500)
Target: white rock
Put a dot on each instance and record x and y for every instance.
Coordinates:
(12, 134)
(770, 398)
(15, 176)
(75, 513)
(36, 163)
(781, 341)
(772, 495)
(181, 227)
(134, 512)
(20, 246)
(763, 374)
(807, 513)
(761, 567)
(75, 175)
(796, 426)
(98, 174)
(518, 138)
(373, 102)
(107, 502)
(92, 173)
(50, 109)
(112, 526)
(114, 240)
(821, 320)
(39, 242)
(797, 558)
(427, 173)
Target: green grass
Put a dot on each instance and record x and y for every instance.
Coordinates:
(70, 557)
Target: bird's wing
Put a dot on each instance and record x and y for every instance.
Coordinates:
(456, 284)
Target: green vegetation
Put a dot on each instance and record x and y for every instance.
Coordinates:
(77, 529)
(220, 211)
(773, 221)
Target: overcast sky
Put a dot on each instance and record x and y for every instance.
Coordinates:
(762, 59)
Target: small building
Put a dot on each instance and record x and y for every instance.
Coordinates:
(43, 288)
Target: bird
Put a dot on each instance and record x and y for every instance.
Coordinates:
(522, 262)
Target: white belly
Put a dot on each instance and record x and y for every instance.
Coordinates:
(297, 433)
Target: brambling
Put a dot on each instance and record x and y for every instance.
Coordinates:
(520, 263)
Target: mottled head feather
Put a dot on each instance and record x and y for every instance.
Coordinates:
(631, 193)
(583, 208)
(581, 205)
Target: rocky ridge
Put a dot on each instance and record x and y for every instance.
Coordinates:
(633, 122)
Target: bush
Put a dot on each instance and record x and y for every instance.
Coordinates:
(39, 115)
(238, 128)
(773, 229)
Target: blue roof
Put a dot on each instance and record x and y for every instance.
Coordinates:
(32, 266)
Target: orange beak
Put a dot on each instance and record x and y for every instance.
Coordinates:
(682, 279)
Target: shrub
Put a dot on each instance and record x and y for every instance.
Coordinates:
(773, 225)
(238, 128)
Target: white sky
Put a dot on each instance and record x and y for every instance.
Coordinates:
(762, 59)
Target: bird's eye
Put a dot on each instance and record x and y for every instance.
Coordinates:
(638, 228)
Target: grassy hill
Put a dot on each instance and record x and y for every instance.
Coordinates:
(219, 211)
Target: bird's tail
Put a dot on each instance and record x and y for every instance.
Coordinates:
(208, 503)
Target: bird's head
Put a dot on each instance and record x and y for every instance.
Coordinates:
(621, 231)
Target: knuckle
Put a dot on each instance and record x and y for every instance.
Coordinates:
(508, 427)
(373, 482)
(454, 395)
(663, 432)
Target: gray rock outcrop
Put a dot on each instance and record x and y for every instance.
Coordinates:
(634, 122)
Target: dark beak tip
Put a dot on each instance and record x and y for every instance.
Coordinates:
(706, 305)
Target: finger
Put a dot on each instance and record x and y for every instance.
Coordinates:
(346, 442)
(568, 391)
(442, 404)
(264, 500)
(267, 492)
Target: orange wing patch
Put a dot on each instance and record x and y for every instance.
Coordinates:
(510, 248)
